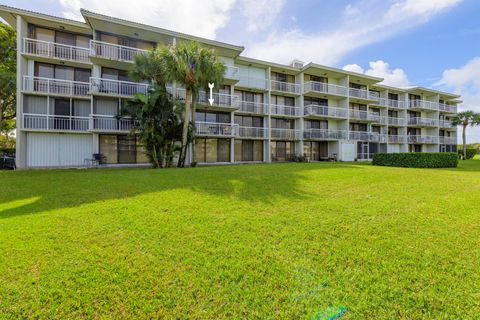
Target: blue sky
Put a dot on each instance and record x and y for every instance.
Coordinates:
(433, 43)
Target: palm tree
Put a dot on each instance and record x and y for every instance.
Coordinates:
(465, 119)
(193, 67)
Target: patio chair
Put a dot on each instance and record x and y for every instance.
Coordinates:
(96, 160)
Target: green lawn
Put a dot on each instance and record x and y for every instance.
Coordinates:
(279, 241)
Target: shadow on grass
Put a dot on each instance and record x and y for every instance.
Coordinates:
(56, 189)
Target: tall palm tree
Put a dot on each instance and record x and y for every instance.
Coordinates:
(465, 119)
(193, 67)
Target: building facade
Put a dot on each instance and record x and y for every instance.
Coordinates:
(73, 77)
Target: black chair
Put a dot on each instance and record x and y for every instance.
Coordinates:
(96, 160)
(7, 163)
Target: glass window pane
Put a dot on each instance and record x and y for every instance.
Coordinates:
(108, 148)
(44, 70)
(65, 38)
(211, 146)
(126, 149)
(45, 34)
(200, 150)
(258, 150)
(238, 150)
(223, 150)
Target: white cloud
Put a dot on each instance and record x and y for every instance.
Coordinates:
(364, 22)
(465, 81)
(261, 14)
(392, 77)
(201, 18)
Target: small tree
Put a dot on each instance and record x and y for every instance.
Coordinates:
(156, 121)
(194, 67)
(465, 119)
(8, 67)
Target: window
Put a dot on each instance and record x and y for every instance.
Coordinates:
(393, 131)
(122, 149)
(393, 114)
(358, 127)
(283, 123)
(315, 101)
(318, 79)
(282, 150)
(283, 101)
(316, 150)
(247, 121)
(358, 86)
(212, 150)
(357, 106)
(392, 96)
(248, 150)
(208, 116)
(316, 124)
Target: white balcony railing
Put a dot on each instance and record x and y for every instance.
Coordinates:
(363, 94)
(231, 72)
(422, 104)
(117, 88)
(325, 134)
(447, 140)
(285, 134)
(219, 99)
(366, 115)
(419, 121)
(114, 51)
(397, 139)
(110, 123)
(394, 121)
(397, 104)
(282, 110)
(54, 122)
(368, 136)
(253, 107)
(215, 129)
(380, 102)
(251, 82)
(422, 139)
(252, 132)
(55, 50)
(323, 87)
(285, 86)
(325, 111)
(447, 108)
(55, 86)
(446, 124)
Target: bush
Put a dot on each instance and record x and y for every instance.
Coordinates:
(416, 160)
(7, 151)
(470, 153)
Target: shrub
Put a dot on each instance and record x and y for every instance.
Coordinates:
(7, 151)
(416, 160)
(470, 153)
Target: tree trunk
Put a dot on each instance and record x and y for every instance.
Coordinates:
(194, 111)
(186, 121)
(464, 138)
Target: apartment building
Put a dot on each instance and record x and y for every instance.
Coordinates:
(73, 77)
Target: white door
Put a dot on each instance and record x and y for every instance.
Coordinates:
(58, 150)
(347, 152)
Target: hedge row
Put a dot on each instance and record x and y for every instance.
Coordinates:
(7, 150)
(416, 160)
(470, 153)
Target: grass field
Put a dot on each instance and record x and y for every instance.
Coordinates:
(279, 241)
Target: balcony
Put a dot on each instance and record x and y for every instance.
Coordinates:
(55, 86)
(115, 52)
(447, 124)
(52, 50)
(252, 107)
(252, 83)
(252, 132)
(363, 94)
(285, 134)
(54, 123)
(368, 136)
(220, 100)
(396, 104)
(325, 88)
(382, 102)
(447, 140)
(286, 87)
(281, 110)
(325, 112)
(216, 129)
(394, 121)
(104, 123)
(325, 134)
(422, 105)
(117, 88)
(397, 139)
(422, 122)
(443, 107)
(366, 116)
(231, 74)
(422, 139)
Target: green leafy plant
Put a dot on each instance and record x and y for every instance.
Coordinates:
(470, 153)
(416, 160)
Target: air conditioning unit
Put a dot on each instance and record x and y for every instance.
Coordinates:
(297, 64)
